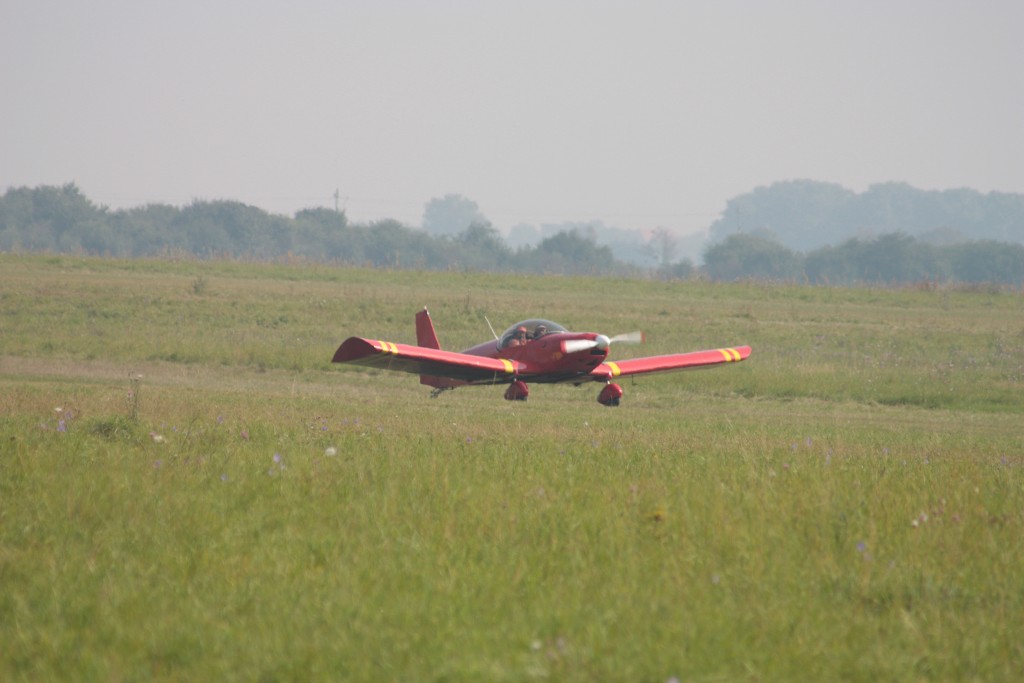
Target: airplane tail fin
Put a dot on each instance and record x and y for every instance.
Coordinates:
(427, 337)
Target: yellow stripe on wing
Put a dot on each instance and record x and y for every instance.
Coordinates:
(509, 368)
(388, 347)
(731, 355)
(614, 367)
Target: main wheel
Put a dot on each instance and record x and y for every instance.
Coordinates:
(610, 395)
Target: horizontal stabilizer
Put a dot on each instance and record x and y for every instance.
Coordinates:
(419, 360)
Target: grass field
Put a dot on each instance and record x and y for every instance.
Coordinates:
(189, 490)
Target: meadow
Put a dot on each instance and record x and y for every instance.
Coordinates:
(190, 490)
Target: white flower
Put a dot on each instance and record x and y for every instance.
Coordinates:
(331, 451)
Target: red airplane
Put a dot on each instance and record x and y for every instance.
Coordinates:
(532, 350)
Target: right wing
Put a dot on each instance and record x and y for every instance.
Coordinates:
(677, 361)
(419, 360)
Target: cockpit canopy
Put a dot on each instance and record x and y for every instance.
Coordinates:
(535, 328)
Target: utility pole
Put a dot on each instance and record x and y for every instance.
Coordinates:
(337, 194)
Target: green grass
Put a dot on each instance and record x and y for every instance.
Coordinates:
(846, 505)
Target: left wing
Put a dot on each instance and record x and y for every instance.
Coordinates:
(676, 361)
(421, 360)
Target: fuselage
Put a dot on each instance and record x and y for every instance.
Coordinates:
(550, 354)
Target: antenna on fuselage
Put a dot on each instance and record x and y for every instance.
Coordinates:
(492, 328)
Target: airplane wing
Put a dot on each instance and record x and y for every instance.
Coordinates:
(420, 360)
(676, 361)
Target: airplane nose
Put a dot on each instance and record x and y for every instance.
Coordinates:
(602, 342)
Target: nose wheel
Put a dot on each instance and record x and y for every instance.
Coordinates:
(610, 395)
(517, 391)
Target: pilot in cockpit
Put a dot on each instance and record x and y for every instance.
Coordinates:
(540, 331)
(518, 337)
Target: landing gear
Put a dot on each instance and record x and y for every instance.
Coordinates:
(610, 395)
(517, 391)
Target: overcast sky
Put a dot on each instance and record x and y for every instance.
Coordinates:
(639, 114)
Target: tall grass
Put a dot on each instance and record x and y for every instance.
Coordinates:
(213, 500)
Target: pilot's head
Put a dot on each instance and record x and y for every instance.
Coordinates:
(520, 333)
(540, 331)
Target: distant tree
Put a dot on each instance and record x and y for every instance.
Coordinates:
(451, 215)
(681, 270)
(390, 244)
(629, 246)
(277, 237)
(751, 256)
(387, 243)
(1004, 218)
(569, 253)
(98, 237)
(893, 258)
(481, 247)
(987, 261)
(325, 234)
(799, 212)
(149, 230)
(835, 265)
(896, 258)
(806, 215)
(662, 246)
(50, 217)
(202, 224)
(523, 235)
(943, 236)
(328, 218)
(884, 209)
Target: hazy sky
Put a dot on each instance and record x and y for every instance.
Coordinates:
(640, 114)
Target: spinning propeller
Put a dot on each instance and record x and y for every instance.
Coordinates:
(602, 342)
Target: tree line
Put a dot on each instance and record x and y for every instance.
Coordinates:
(63, 220)
(806, 214)
(892, 258)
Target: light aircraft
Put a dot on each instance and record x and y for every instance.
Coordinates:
(533, 350)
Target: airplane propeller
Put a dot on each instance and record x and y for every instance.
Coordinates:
(602, 342)
(628, 338)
